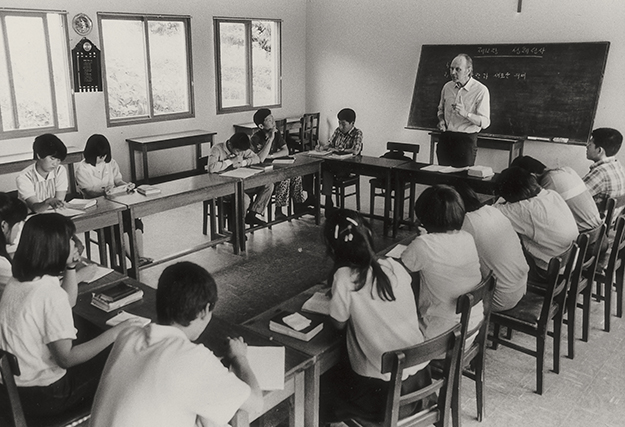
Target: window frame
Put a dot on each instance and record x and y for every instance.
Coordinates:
(145, 18)
(249, 106)
(23, 133)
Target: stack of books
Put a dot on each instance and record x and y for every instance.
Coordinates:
(264, 166)
(295, 325)
(116, 297)
(148, 190)
(285, 160)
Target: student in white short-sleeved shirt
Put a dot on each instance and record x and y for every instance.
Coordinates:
(156, 376)
(12, 214)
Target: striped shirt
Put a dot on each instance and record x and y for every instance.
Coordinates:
(30, 183)
(347, 141)
(605, 179)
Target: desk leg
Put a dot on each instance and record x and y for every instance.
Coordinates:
(133, 166)
(240, 214)
(317, 179)
(146, 173)
(399, 201)
(432, 149)
(198, 154)
(102, 246)
(387, 202)
(298, 410)
(313, 393)
(134, 253)
(122, 243)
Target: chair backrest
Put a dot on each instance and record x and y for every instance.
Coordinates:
(582, 243)
(202, 162)
(281, 126)
(8, 368)
(309, 130)
(617, 251)
(590, 260)
(482, 293)
(447, 346)
(404, 147)
(557, 284)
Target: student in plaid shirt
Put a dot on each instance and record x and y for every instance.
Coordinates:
(606, 177)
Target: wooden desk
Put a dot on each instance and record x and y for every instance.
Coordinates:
(303, 165)
(292, 123)
(162, 142)
(369, 166)
(105, 214)
(324, 349)
(214, 338)
(174, 194)
(514, 147)
(14, 163)
(413, 172)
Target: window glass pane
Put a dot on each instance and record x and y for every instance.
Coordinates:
(61, 72)
(265, 62)
(126, 76)
(168, 60)
(6, 105)
(232, 49)
(31, 76)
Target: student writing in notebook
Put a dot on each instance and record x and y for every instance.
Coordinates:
(156, 376)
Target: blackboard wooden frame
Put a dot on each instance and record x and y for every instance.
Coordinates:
(546, 90)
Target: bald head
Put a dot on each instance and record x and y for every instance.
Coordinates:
(461, 68)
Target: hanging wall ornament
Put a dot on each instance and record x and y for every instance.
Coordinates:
(87, 67)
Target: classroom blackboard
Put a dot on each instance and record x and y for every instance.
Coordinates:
(543, 90)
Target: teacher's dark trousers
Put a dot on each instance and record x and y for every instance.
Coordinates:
(457, 149)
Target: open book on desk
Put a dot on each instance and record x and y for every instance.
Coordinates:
(318, 153)
(66, 211)
(444, 169)
(241, 173)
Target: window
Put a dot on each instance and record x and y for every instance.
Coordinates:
(248, 61)
(147, 68)
(35, 83)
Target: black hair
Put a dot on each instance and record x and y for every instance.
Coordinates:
(349, 242)
(12, 211)
(609, 139)
(240, 141)
(469, 196)
(529, 164)
(97, 146)
(347, 114)
(261, 115)
(49, 145)
(440, 209)
(184, 290)
(44, 247)
(516, 184)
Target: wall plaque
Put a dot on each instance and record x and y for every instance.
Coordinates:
(87, 67)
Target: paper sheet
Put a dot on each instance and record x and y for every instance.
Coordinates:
(318, 303)
(443, 169)
(91, 272)
(241, 173)
(267, 363)
(297, 321)
(396, 251)
(123, 315)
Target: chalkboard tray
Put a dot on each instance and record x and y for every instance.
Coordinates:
(543, 90)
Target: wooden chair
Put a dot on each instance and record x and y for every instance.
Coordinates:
(533, 313)
(308, 135)
(9, 368)
(582, 278)
(395, 150)
(474, 355)
(341, 189)
(445, 346)
(613, 275)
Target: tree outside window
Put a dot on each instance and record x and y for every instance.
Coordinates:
(147, 63)
(248, 61)
(35, 82)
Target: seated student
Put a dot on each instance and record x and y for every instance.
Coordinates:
(12, 214)
(43, 185)
(374, 295)
(97, 174)
(268, 143)
(540, 216)
(446, 258)
(36, 323)
(237, 152)
(498, 247)
(568, 184)
(346, 137)
(156, 376)
(606, 177)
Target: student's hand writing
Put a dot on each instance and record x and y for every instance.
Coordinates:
(236, 348)
(130, 186)
(55, 203)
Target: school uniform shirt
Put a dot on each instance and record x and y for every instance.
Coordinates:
(5, 273)
(449, 267)
(30, 183)
(476, 99)
(259, 139)
(155, 377)
(351, 140)
(95, 178)
(499, 250)
(376, 325)
(220, 158)
(32, 315)
(545, 223)
(568, 184)
(605, 179)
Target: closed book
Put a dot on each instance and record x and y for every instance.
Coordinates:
(286, 160)
(81, 203)
(117, 292)
(264, 166)
(148, 190)
(278, 324)
(107, 306)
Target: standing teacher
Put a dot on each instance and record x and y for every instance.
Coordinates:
(463, 111)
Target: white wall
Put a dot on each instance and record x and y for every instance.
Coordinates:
(364, 54)
(91, 116)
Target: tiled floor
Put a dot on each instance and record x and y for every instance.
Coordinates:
(589, 391)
